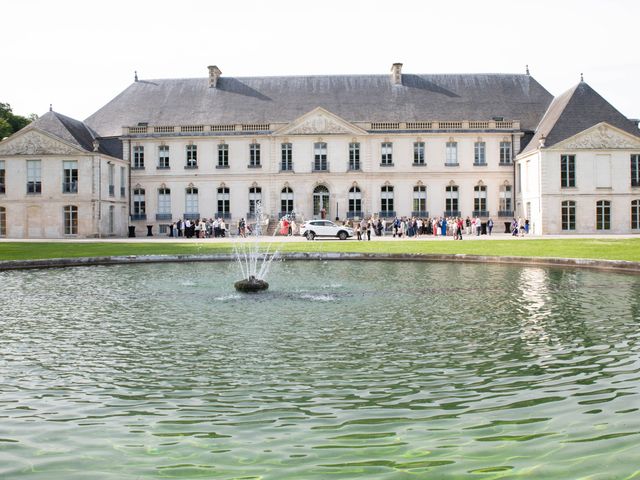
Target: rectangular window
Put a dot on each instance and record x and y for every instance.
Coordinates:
(386, 154)
(138, 158)
(70, 220)
(224, 203)
(112, 219)
(355, 202)
(254, 155)
(286, 159)
(505, 153)
(163, 156)
(451, 150)
(567, 171)
(223, 155)
(603, 215)
(418, 153)
(3, 222)
(192, 156)
(635, 170)
(286, 201)
(635, 214)
(70, 176)
(320, 163)
(112, 180)
(2, 178)
(164, 201)
(479, 153)
(123, 181)
(451, 200)
(568, 215)
(354, 156)
(34, 173)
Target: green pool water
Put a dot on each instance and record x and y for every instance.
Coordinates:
(371, 370)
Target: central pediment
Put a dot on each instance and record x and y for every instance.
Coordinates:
(320, 122)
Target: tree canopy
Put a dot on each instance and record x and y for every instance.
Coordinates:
(11, 123)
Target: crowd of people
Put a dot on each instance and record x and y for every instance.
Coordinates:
(364, 229)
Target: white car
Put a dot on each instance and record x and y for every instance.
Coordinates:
(324, 228)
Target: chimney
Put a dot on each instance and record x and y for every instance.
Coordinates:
(396, 74)
(214, 75)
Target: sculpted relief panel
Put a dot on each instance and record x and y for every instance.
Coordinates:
(318, 125)
(602, 138)
(33, 143)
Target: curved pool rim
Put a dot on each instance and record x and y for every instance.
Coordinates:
(622, 266)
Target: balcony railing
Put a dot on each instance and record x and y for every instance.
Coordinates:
(138, 216)
(505, 213)
(254, 165)
(163, 167)
(506, 164)
(321, 166)
(191, 166)
(290, 215)
(225, 215)
(355, 214)
(479, 164)
(191, 216)
(163, 216)
(69, 187)
(286, 167)
(419, 164)
(387, 213)
(355, 167)
(420, 213)
(451, 213)
(480, 213)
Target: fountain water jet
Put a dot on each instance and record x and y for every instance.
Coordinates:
(254, 257)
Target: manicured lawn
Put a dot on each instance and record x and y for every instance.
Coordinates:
(591, 248)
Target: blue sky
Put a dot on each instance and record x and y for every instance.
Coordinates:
(78, 55)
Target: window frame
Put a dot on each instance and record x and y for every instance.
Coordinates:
(451, 154)
(254, 155)
(354, 156)
(506, 157)
(138, 157)
(603, 215)
(164, 157)
(70, 219)
(69, 176)
(419, 157)
(567, 171)
(223, 155)
(568, 215)
(191, 156)
(386, 154)
(387, 198)
(635, 169)
(480, 153)
(635, 214)
(34, 177)
(286, 157)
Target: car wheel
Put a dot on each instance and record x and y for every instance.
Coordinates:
(342, 235)
(311, 235)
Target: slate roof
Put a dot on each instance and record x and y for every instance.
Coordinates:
(76, 133)
(576, 110)
(356, 98)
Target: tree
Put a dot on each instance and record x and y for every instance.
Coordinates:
(11, 123)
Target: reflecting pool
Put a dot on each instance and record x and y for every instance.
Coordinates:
(385, 370)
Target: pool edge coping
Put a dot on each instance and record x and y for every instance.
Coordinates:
(610, 265)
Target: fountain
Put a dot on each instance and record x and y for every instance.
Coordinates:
(254, 258)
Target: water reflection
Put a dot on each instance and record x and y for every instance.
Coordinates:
(361, 370)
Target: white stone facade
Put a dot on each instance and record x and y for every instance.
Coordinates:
(602, 159)
(39, 202)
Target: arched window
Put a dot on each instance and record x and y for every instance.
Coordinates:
(480, 201)
(139, 205)
(568, 215)
(635, 215)
(451, 201)
(419, 201)
(355, 202)
(286, 201)
(506, 201)
(603, 215)
(386, 201)
(191, 209)
(70, 220)
(224, 203)
(321, 201)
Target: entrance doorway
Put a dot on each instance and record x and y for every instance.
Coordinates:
(321, 202)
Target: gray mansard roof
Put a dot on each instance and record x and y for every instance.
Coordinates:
(576, 110)
(356, 98)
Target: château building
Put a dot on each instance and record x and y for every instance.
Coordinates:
(486, 145)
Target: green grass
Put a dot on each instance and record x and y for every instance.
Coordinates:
(589, 248)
